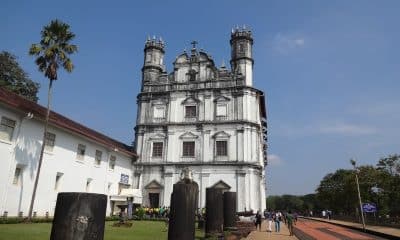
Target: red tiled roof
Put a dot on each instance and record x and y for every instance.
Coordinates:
(39, 112)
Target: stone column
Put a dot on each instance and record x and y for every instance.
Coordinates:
(214, 212)
(168, 180)
(183, 209)
(241, 190)
(229, 210)
(79, 216)
(205, 177)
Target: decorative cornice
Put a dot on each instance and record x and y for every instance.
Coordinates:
(219, 122)
(256, 166)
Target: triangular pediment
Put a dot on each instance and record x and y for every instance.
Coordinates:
(221, 185)
(160, 101)
(153, 185)
(190, 100)
(188, 135)
(158, 136)
(222, 99)
(221, 134)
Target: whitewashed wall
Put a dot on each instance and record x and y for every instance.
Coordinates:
(23, 151)
(244, 145)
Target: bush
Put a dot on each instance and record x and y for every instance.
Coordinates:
(14, 220)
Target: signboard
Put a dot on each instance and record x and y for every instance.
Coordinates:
(124, 179)
(369, 207)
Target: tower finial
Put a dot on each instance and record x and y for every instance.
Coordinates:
(194, 44)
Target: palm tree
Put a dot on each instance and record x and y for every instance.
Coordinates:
(51, 53)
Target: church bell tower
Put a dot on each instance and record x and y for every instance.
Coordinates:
(242, 54)
(153, 65)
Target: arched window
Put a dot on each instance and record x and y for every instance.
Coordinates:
(192, 75)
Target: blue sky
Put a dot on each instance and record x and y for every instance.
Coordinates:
(330, 69)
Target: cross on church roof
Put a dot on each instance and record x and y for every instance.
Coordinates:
(194, 43)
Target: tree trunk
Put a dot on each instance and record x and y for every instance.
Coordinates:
(41, 152)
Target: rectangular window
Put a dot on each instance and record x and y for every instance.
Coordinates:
(7, 127)
(113, 159)
(222, 148)
(17, 175)
(159, 112)
(109, 188)
(221, 110)
(190, 111)
(49, 141)
(97, 158)
(148, 57)
(157, 149)
(58, 179)
(188, 149)
(88, 183)
(124, 179)
(80, 154)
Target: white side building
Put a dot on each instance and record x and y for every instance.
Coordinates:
(76, 159)
(209, 119)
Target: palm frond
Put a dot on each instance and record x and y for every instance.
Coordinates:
(41, 63)
(68, 66)
(54, 49)
(35, 49)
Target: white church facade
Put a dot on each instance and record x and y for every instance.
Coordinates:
(76, 159)
(207, 118)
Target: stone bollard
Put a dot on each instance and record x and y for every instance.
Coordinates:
(182, 212)
(214, 212)
(230, 211)
(79, 216)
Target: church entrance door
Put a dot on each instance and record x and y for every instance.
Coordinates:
(154, 199)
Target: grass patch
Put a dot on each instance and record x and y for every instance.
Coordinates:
(141, 230)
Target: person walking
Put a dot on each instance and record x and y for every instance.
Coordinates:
(258, 221)
(290, 221)
(278, 219)
(268, 218)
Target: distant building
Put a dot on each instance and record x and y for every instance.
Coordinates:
(76, 159)
(209, 119)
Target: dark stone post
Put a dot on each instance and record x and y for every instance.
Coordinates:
(229, 210)
(79, 216)
(214, 212)
(182, 212)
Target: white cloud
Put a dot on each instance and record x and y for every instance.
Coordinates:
(274, 160)
(346, 129)
(380, 109)
(284, 43)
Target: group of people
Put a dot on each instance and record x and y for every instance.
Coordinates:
(327, 214)
(161, 212)
(276, 217)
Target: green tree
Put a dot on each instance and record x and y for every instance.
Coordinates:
(389, 183)
(337, 191)
(285, 202)
(51, 53)
(390, 163)
(15, 79)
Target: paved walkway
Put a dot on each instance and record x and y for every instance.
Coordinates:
(264, 235)
(380, 229)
